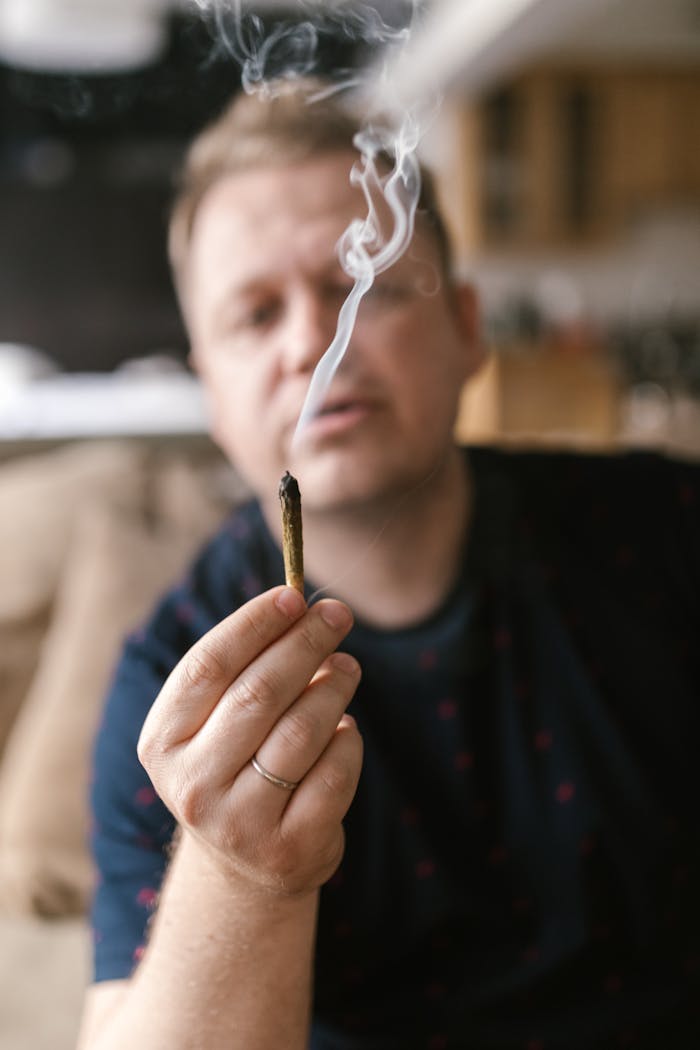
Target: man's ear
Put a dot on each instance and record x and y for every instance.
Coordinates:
(468, 318)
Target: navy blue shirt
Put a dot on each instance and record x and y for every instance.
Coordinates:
(522, 864)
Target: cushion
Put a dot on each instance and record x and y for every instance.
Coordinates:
(41, 497)
(118, 563)
(44, 968)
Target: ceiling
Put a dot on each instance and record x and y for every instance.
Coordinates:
(472, 40)
(654, 29)
(471, 44)
(93, 36)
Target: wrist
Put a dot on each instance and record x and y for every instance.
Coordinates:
(223, 876)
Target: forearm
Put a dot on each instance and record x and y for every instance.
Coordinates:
(229, 961)
(224, 968)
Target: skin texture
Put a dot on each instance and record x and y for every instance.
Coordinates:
(266, 288)
(380, 479)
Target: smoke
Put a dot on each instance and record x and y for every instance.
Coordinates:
(269, 51)
(265, 56)
(364, 250)
(268, 55)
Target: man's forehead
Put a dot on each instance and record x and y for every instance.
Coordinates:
(267, 221)
(263, 218)
(316, 188)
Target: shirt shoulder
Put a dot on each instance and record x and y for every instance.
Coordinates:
(643, 486)
(634, 507)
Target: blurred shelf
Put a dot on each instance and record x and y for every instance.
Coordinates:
(540, 396)
(537, 393)
(80, 406)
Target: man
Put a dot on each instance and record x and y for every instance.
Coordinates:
(513, 861)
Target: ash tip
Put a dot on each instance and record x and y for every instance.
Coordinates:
(289, 487)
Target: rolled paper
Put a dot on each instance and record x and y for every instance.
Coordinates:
(292, 543)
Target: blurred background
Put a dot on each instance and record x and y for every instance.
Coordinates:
(567, 155)
(567, 158)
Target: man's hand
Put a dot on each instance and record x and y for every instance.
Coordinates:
(265, 682)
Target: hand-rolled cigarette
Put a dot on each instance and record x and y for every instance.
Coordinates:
(292, 544)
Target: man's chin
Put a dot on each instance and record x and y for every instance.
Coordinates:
(334, 485)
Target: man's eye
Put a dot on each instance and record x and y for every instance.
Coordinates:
(388, 292)
(260, 315)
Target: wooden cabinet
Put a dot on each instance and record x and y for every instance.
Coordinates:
(566, 156)
(651, 142)
(541, 394)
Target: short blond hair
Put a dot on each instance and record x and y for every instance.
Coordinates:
(294, 123)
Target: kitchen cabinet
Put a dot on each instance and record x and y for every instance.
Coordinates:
(541, 394)
(566, 156)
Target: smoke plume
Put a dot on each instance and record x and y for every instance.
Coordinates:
(267, 55)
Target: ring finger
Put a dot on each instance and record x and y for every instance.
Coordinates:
(303, 732)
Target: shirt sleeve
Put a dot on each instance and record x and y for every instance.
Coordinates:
(132, 829)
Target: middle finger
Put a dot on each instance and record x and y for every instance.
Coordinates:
(270, 684)
(306, 728)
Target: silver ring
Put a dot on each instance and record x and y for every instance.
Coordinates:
(279, 782)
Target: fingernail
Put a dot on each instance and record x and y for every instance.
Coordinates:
(345, 662)
(291, 602)
(335, 615)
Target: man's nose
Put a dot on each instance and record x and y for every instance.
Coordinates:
(309, 331)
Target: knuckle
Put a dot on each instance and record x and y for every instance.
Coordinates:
(202, 667)
(337, 779)
(144, 748)
(250, 625)
(299, 730)
(253, 691)
(308, 638)
(149, 746)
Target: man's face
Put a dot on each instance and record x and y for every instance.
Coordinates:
(264, 288)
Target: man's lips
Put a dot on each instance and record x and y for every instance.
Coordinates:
(343, 409)
(346, 405)
(339, 416)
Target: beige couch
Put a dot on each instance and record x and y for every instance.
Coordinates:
(90, 534)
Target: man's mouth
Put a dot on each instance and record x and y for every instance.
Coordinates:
(340, 415)
(340, 407)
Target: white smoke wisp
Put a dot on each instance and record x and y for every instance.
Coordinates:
(363, 251)
(288, 50)
(292, 49)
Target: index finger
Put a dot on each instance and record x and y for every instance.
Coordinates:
(213, 662)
